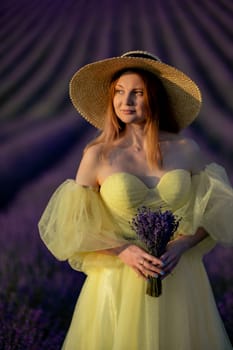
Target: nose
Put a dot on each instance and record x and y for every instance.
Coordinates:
(129, 99)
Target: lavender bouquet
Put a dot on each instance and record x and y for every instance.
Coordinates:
(154, 229)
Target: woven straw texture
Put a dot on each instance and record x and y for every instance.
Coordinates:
(89, 88)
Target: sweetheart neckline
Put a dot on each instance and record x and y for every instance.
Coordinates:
(140, 180)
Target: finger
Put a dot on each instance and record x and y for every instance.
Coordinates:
(165, 257)
(140, 272)
(146, 271)
(151, 269)
(152, 265)
(168, 258)
(170, 267)
(155, 261)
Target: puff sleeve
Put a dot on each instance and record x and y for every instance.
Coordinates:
(76, 222)
(210, 205)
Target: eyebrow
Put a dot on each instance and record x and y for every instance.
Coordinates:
(119, 85)
(136, 88)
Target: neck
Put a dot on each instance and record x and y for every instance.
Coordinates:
(134, 134)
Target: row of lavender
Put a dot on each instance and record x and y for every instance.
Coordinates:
(41, 141)
(37, 293)
(53, 39)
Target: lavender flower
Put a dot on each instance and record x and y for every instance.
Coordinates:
(154, 229)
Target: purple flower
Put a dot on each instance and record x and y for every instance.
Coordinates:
(154, 228)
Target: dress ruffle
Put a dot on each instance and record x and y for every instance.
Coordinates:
(210, 205)
(77, 222)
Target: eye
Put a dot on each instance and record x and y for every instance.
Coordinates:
(119, 92)
(138, 92)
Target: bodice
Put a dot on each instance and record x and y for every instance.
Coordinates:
(125, 191)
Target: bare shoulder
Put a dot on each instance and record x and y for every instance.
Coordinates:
(88, 168)
(188, 145)
(184, 152)
(191, 152)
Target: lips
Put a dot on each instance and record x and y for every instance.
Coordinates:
(127, 111)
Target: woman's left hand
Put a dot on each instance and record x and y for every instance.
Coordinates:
(174, 251)
(178, 246)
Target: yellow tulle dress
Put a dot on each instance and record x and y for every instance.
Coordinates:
(113, 311)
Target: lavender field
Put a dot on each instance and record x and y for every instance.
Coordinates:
(42, 43)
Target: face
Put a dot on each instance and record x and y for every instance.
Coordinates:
(129, 98)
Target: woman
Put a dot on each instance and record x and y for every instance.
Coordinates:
(140, 159)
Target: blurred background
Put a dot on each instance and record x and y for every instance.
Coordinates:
(42, 43)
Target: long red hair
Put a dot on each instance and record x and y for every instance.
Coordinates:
(158, 112)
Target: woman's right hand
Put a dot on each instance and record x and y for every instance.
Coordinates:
(140, 261)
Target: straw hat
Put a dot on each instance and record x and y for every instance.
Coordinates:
(89, 87)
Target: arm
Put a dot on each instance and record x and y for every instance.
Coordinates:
(87, 174)
(180, 245)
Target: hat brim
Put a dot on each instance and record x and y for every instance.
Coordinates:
(89, 88)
